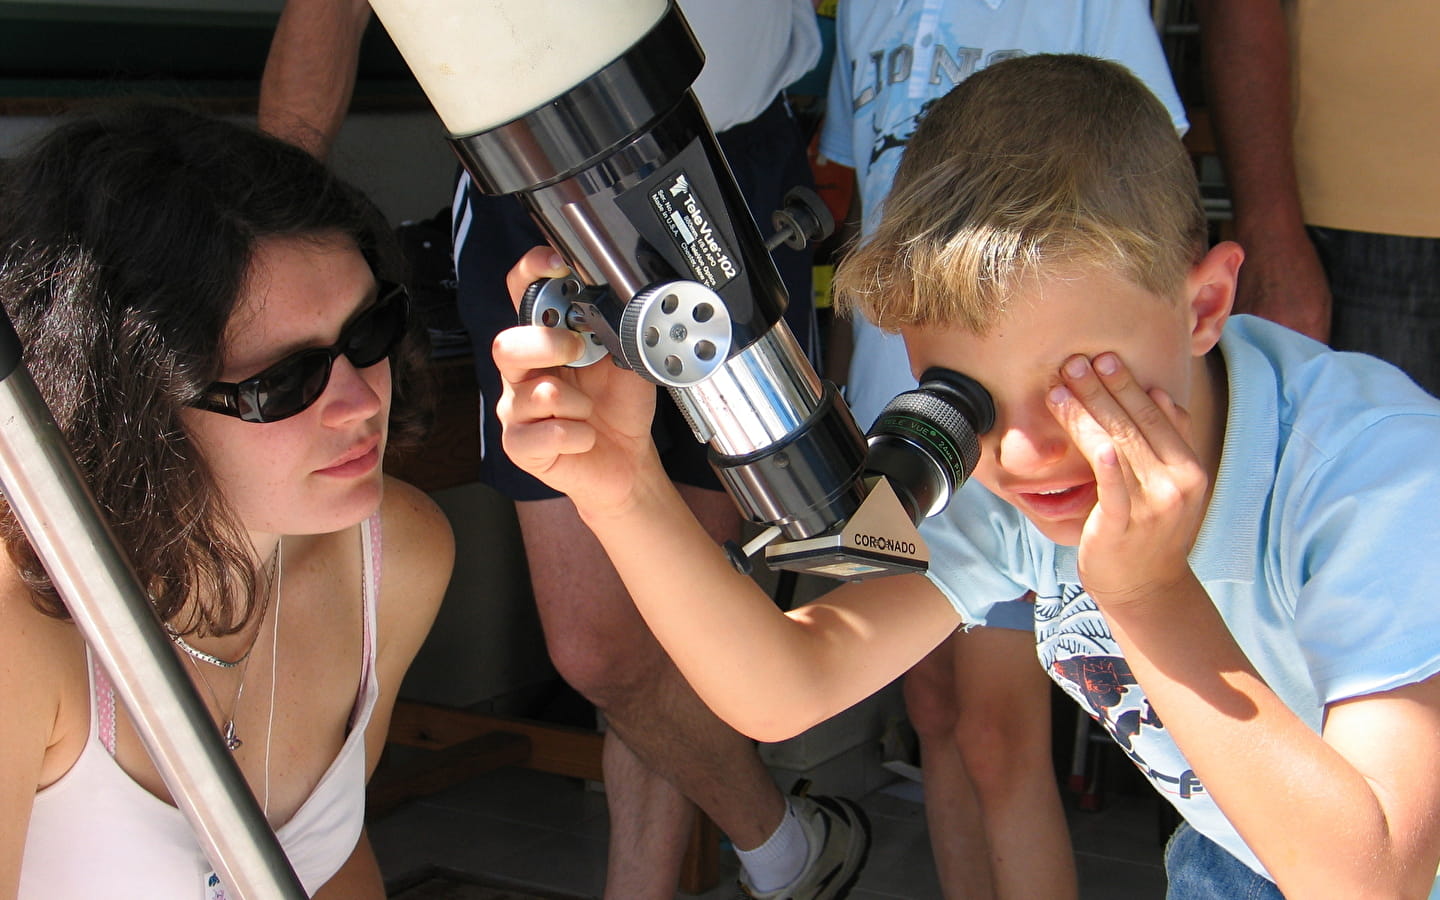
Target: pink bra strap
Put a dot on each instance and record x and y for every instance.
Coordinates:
(370, 597)
(104, 699)
(372, 590)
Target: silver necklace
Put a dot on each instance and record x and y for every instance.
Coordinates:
(232, 741)
(210, 658)
(227, 732)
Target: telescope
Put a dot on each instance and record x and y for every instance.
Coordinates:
(584, 112)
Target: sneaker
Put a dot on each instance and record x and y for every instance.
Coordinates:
(839, 837)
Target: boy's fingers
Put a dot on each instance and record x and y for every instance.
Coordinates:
(544, 397)
(535, 446)
(1123, 409)
(1082, 381)
(1154, 422)
(1178, 416)
(521, 351)
(537, 263)
(1114, 477)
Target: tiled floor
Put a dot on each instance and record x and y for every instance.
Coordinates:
(527, 828)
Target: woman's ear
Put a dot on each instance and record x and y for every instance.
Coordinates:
(1210, 293)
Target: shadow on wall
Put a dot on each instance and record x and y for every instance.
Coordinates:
(486, 651)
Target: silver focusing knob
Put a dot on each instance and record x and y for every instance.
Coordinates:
(676, 333)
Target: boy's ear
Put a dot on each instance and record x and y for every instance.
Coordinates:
(1210, 292)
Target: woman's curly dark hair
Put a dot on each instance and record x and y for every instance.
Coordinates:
(126, 238)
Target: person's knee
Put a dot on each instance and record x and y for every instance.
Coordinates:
(596, 640)
(1004, 747)
(606, 672)
(930, 703)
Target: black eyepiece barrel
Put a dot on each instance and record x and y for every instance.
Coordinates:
(927, 441)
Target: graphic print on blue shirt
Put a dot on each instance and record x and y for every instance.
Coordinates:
(1076, 647)
(893, 68)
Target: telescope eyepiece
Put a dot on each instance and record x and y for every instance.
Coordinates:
(927, 441)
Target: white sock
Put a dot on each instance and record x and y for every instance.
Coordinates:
(779, 860)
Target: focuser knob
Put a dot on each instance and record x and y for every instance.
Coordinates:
(561, 303)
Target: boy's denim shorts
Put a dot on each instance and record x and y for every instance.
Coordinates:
(1200, 869)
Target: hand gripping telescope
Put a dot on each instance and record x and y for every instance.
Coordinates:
(585, 113)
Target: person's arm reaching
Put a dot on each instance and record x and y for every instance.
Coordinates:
(1247, 77)
(771, 675)
(309, 75)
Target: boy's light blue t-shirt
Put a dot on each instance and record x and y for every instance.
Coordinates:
(1319, 550)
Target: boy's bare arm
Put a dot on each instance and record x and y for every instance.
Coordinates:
(586, 432)
(1349, 813)
(309, 74)
(1353, 812)
(770, 675)
(1247, 72)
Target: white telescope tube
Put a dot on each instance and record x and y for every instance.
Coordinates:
(582, 109)
(484, 62)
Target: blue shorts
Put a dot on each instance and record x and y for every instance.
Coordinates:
(1200, 869)
(767, 156)
(1016, 615)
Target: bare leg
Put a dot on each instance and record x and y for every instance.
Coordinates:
(952, 811)
(649, 822)
(666, 745)
(1000, 709)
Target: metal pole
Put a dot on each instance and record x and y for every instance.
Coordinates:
(93, 576)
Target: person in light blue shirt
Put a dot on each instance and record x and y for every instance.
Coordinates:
(996, 820)
(1224, 527)
(1320, 522)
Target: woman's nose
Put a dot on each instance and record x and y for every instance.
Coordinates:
(355, 393)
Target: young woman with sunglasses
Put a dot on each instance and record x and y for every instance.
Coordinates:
(206, 312)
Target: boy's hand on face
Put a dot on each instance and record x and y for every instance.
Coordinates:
(583, 431)
(1150, 483)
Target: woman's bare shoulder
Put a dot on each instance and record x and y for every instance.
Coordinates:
(419, 554)
(415, 528)
(43, 686)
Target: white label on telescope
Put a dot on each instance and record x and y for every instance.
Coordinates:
(693, 230)
(484, 62)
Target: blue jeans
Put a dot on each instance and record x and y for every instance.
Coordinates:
(1386, 290)
(1200, 869)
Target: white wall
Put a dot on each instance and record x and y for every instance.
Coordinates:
(400, 159)
(14, 130)
(208, 5)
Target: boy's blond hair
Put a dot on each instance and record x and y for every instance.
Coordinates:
(1045, 164)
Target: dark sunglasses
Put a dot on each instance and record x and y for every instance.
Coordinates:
(294, 383)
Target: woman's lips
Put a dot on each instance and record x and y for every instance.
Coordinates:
(358, 462)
